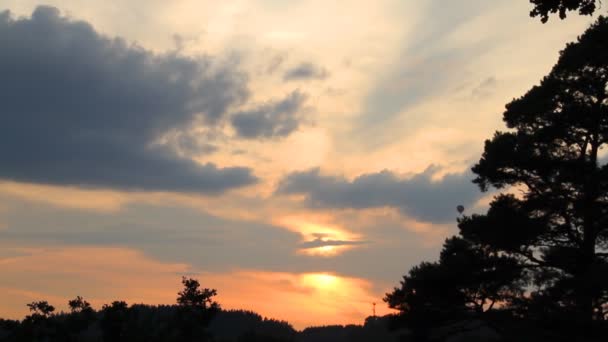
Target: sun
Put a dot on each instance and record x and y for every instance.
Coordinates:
(321, 281)
(327, 249)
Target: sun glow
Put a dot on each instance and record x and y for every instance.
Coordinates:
(319, 229)
(321, 281)
(309, 227)
(327, 248)
(324, 251)
(315, 298)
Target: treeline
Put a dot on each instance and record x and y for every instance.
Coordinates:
(534, 267)
(195, 317)
(186, 321)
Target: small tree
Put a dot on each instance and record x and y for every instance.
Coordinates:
(82, 315)
(39, 323)
(197, 308)
(113, 321)
(41, 309)
(78, 305)
(193, 296)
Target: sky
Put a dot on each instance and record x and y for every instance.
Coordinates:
(298, 156)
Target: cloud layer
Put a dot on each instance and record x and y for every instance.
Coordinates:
(177, 234)
(419, 196)
(81, 108)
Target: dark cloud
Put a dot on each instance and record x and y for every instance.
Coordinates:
(191, 143)
(305, 71)
(80, 108)
(272, 119)
(191, 146)
(419, 196)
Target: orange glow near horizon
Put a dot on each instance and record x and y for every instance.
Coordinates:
(102, 275)
(321, 281)
(303, 299)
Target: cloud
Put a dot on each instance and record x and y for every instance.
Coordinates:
(275, 63)
(171, 233)
(84, 109)
(427, 66)
(305, 71)
(320, 242)
(485, 88)
(419, 196)
(191, 143)
(273, 119)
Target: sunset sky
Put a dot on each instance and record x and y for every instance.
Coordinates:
(298, 156)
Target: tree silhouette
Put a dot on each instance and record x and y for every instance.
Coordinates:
(38, 324)
(193, 296)
(40, 309)
(113, 321)
(467, 281)
(541, 255)
(557, 228)
(78, 304)
(481, 275)
(544, 8)
(197, 308)
(81, 315)
(199, 319)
